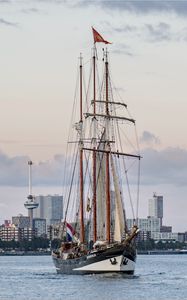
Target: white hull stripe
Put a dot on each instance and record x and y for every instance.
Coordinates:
(115, 264)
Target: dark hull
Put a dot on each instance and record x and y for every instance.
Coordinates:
(117, 259)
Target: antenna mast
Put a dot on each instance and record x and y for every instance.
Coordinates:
(30, 204)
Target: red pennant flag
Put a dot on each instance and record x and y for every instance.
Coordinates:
(98, 38)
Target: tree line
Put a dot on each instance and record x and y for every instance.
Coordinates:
(25, 245)
(160, 245)
(44, 243)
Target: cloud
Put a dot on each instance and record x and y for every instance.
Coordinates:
(125, 28)
(14, 171)
(167, 166)
(179, 7)
(150, 32)
(158, 167)
(142, 7)
(7, 23)
(123, 49)
(159, 32)
(50, 172)
(30, 10)
(149, 138)
(133, 6)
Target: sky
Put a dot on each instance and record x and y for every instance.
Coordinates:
(40, 45)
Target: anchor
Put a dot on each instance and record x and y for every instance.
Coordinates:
(125, 261)
(114, 261)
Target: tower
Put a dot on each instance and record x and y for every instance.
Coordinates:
(30, 204)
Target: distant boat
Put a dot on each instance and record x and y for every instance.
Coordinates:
(99, 241)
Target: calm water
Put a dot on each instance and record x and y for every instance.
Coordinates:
(34, 277)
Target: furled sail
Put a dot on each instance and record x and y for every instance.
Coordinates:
(101, 181)
(119, 210)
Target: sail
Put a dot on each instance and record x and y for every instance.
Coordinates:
(101, 181)
(119, 211)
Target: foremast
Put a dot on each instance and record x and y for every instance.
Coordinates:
(82, 233)
(94, 140)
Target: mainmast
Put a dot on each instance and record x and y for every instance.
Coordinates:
(94, 148)
(81, 161)
(107, 154)
(99, 39)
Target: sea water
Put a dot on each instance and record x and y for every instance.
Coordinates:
(34, 277)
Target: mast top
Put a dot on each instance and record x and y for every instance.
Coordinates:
(105, 55)
(80, 59)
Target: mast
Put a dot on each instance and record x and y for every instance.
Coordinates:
(107, 155)
(94, 148)
(81, 162)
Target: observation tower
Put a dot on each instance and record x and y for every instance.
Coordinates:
(30, 204)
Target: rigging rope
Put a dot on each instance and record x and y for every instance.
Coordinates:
(138, 190)
(70, 192)
(127, 180)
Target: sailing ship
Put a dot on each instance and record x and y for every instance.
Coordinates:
(99, 241)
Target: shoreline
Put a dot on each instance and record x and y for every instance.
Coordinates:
(47, 253)
(25, 253)
(161, 252)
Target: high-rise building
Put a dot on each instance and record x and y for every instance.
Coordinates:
(50, 208)
(156, 207)
(21, 221)
(149, 224)
(40, 226)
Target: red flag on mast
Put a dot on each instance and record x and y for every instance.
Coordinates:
(98, 38)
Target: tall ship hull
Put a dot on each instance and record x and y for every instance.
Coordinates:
(116, 259)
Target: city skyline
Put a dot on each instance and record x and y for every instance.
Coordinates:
(50, 207)
(40, 45)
